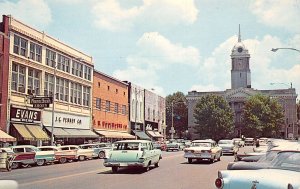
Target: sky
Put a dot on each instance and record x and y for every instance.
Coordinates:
(174, 45)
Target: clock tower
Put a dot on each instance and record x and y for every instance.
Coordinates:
(240, 70)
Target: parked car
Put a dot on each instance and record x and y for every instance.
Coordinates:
(29, 155)
(62, 154)
(249, 141)
(284, 172)
(239, 142)
(100, 150)
(133, 153)
(81, 154)
(203, 150)
(228, 146)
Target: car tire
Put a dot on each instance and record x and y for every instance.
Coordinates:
(101, 155)
(8, 166)
(81, 158)
(147, 168)
(40, 162)
(62, 160)
(15, 165)
(219, 159)
(114, 169)
(190, 160)
(156, 164)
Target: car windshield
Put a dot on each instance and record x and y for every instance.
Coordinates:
(126, 146)
(201, 144)
(268, 157)
(225, 142)
(287, 160)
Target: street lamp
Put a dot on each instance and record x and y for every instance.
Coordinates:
(276, 49)
(291, 84)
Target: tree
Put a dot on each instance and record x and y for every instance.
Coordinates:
(262, 116)
(180, 112)
(214, 118)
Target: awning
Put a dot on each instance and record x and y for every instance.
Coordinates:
(115, 134)
(37, 132)
(72, 133)
(142, 135)
(155, 134)
(23, 131)
(4, 137)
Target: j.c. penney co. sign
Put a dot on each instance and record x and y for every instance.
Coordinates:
(25, 115)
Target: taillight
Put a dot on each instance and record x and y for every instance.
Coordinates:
(186, 151)
(219, 183)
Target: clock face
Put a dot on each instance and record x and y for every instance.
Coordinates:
(240, 49)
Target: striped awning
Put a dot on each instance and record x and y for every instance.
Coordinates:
(142, 135)
(115, 134)
(4, 137)
(23, 131)
(37, 132)
(72, 133)
(155, 134)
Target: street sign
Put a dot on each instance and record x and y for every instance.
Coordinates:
(41, 102)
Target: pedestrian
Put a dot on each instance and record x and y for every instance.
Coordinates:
(257, 143)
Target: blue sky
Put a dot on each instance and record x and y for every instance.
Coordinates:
(174, 45)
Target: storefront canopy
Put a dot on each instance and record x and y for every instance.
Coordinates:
(72, 133)
(4, 137)
(23, 131)
(31, 132)
(115, 134)
(142, 135)
(155, 134)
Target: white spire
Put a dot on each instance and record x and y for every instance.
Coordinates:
(239, 40)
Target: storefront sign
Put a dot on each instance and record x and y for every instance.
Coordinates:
(25, 115)
(66, 120)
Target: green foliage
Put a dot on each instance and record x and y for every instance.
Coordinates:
(180, 112)
(262, 116)
(214, 118)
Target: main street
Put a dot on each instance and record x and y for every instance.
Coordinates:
(174, 172)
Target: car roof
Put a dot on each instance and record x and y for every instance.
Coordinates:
(47, 147)
(204, 141)
(23, 146)
(133, 141)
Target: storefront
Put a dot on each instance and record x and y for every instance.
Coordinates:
(6, 139)
(152, 131)
(69, 128)
(26, 126)
(111, 136)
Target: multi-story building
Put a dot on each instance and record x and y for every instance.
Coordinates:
(110, 108)
(33, 64)
(155, 115)
(241, 90)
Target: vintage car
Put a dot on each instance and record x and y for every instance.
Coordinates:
(239, 142)
(203, 150)
(284, 172)
(62, 154)
(26, 155)
(80, 154)
(249, 141)
(264, 161)
(133, 153)
(100, 150)
(228, 146)
(174, 146)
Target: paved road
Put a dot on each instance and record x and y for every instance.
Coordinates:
(174, 173)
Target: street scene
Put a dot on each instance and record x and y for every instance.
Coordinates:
(149, 94)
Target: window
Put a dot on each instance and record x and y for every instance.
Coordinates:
(116, 107)
(79, 94)
(49, 85)
(98, 103)
(77, 68)
(87, 73)
(124, 109)
(34, 81)
(18, 78)
(66, 91)
(117, 91)
(107, 106)
(86, 96)
(35, 52)
(108, 87)
(124, 93)
(20, 45)
(63, 63)
(148, 113)
(62, 89)
(98, 84)
(76, 93)
(50, 58)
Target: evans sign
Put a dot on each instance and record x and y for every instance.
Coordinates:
(25, 115)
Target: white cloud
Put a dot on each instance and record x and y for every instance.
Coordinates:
(205, 88)
(32, 12)
(278, 13)
(156, 55)
(110, 15)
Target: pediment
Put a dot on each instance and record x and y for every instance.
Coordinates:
(239, 93)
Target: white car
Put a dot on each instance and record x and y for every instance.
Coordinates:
(228, 146)
(203, 150)
(81, 154)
